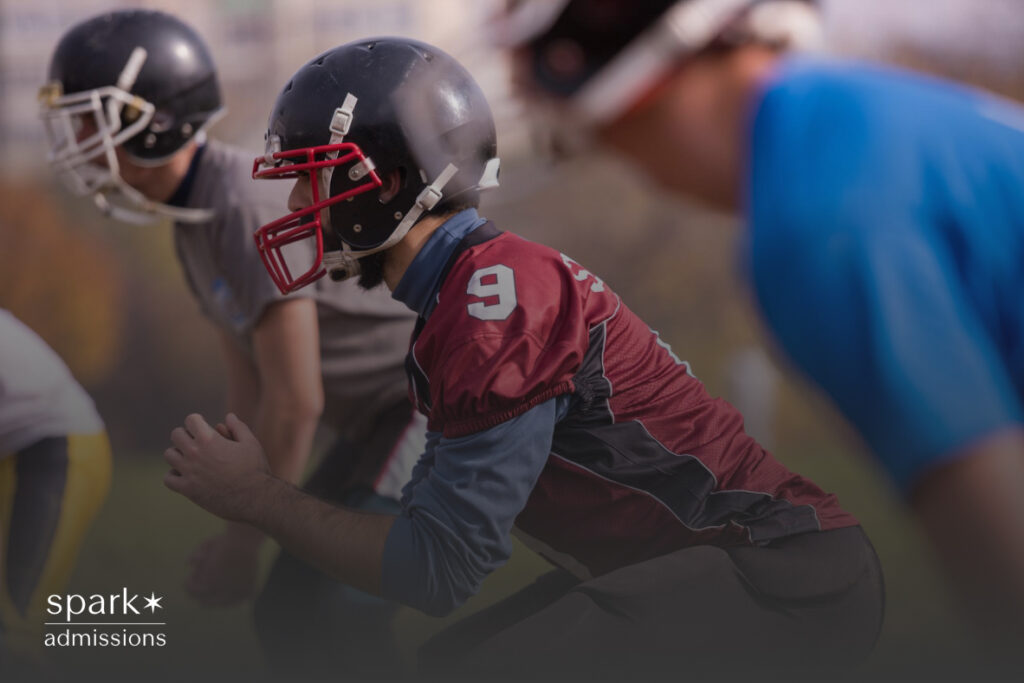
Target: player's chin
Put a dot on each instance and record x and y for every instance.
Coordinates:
(371, 270)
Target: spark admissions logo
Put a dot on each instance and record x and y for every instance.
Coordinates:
(104, 621)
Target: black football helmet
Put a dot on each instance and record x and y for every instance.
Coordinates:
(367, 110)
(139, 79)
(601, 56)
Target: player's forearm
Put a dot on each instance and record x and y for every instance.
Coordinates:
(287, 436)
(973, 511)
(345, 544)
(242, 401)
(286, 432)
(243, 385)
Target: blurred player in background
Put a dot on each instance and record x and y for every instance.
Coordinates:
(54, 476)
(885, 239)
(552, 408)
(130, 96)
(975, 41)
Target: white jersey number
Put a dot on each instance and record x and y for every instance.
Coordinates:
(582, 274)
(487, 283)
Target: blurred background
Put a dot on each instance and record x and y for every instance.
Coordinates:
(110, 298)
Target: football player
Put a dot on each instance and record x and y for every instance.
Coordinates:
(54, 476)
(551, 407)
(885, 234)
(130, 97)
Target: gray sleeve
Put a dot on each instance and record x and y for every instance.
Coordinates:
(460, 506)
(243, 276)
(186, 262)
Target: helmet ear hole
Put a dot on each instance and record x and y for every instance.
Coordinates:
(162, 122)
(394, 182)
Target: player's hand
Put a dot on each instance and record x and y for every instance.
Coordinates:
(224, 569)
(225, 476)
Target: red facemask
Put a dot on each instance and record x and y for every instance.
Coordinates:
(305, 223)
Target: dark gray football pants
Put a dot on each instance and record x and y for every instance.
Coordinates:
(806, 604)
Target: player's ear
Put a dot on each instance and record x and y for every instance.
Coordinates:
(393, 181)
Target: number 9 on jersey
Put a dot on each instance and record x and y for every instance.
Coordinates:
(494, 282)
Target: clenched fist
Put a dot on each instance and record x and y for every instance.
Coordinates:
(222, 470)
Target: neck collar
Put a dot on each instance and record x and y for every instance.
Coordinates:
(421, 283)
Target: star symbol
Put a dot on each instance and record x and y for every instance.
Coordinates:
(152, 603)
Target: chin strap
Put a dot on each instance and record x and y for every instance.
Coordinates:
(344, 264)
(126, 81)
(341, 122)
(148, 211)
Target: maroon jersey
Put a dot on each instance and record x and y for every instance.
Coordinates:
(645, 462)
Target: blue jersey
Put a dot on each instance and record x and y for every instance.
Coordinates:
(886, 248)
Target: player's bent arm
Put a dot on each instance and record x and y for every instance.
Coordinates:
(243, 394)
(454, 528)
(973, 511)
(225, 471)
(286, 348)
(345, 544)
(877, 315)
(280, 393)
(458, 512)
(243, 384)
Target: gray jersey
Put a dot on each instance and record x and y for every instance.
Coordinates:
(364, 335)
(38, 396)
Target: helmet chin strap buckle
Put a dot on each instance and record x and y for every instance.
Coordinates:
(341, 265)
(432, 193)
(342, 119)
(130, 73)
(428, 198)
